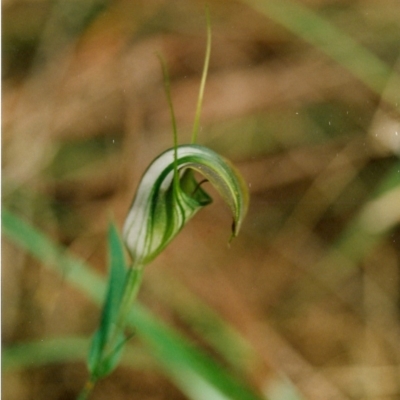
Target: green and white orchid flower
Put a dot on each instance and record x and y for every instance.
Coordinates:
(169, 195)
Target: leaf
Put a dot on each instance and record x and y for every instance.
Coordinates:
(102, 361)
(161, 208)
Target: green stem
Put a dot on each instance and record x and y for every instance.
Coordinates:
(133, 282)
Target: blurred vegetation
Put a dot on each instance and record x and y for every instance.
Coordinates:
(303, 96)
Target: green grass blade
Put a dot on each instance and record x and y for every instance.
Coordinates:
(187, 366)
(43, 352)
(366, 230)
(61, 350)
(375, 220)
(303, 22)
(176, 355)
(52, 255)
(196, 123)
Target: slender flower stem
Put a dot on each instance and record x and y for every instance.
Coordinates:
(133, 282)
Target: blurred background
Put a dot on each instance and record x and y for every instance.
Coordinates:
(302, 96)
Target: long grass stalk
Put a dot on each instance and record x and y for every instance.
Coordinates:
(196, 124)
(342, 48)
